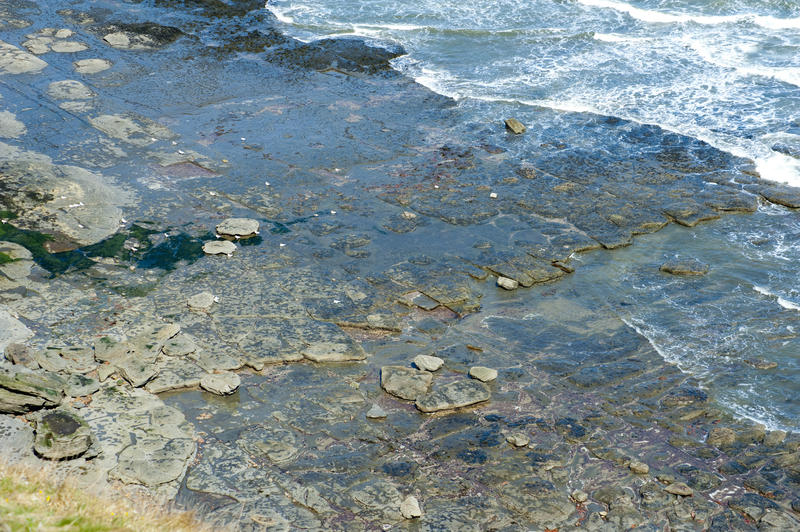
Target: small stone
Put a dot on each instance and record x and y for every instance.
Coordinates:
(219, 247)
(580, 496)
(68, 47)
(684, 267)
(238, 228)
(761, 363)
(679, 488)
(201, 301)
(409, 508)
(508, 284)
(61, 434)
(518, 440)
(64, 33)
(408, 215)
(721, 437)
(483, 374)
(405, 383)
(220, 383)
(428, 362)
(640, 468)
(376, 412)
(515, 126)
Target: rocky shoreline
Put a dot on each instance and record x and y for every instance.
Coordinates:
(336, 305)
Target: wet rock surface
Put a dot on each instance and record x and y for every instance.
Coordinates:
(102, 235)
(61, 435)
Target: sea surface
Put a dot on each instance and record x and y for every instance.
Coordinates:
(726, 72)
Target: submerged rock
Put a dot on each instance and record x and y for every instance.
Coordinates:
(333, 352)
(679, 488)
(201, 301)
(405, 383)
(238, 228)
(376, 412)
(454, 395)
(721, 437)
(91, 66)
(221, 383)
(518, 439)
(80, 386)
(640, 468)
(22, 355)
(61, 434)
(684, 267)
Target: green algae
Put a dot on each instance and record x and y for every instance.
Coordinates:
(6, 258)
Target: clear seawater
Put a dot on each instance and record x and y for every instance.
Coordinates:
(723, 71)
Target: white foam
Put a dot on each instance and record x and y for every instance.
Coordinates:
(659, 17)
(280, 13)
(785, 303)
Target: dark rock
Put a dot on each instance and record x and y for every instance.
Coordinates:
(782, 195)
(751, 505)
(140, 34)
(683, 396)
(61, 435)
(350, 54)
(684, 267)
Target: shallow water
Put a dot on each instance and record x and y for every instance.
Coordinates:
(725, 72)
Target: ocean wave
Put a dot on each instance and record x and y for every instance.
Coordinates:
(785, 303)
(659, 17)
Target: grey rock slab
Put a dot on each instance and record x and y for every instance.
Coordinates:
(61, 434)
(69, 89)
(409, 508)
(175, 374)
(219, 247)
(202, 301)
(77, 385)
(333, 352)
(15, 61)
(117, 39)
(679, 488)
(10, 127)
(12, 330)
(220, 383)
(721, 437)
(454, 395)
(136, 370)
(91, 66)
(684, 267)
(506, 283)
(68, 47)
(277, 444)
(179, 346)
(405, 383)
(238, 228)
(428, 362)
(482, 373)
(31, 389)
(215, 361)
(21, 355)
(153, 461)
(16, 438)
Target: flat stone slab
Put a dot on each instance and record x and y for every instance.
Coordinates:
(78, 385)
(428, 362)
(23, 392)
(515, 126)
(201, 301)
(60, 435)
(91, 66)
(238, 228)
(507, 284)
(15, 61)
(376, 412)
(219, 247)
(405, 383)
(454, 395)
(684, 267)
(153, 461)
(220, 383)
(409, 508)
(333, 352)
(483, 374)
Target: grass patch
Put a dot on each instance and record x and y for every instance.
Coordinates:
(32, 500)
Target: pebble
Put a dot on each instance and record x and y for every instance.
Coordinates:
(508, 284)
(428, 362)
(219, 247)
(376, 412)
(410, 508)
(518, 440)
(640, 468)
(679, 488)
(483, 374)
(201, 301)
